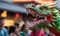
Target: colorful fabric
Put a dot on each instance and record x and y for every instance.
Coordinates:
(37, 33)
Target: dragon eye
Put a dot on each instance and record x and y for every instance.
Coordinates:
(33, 6)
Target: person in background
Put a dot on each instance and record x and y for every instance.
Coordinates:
(3, 31)
(16, 24)
(18, 27)
(13, 31)
(7, 28)
(25, 31)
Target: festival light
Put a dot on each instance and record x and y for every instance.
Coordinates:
(4, 14)
(17, 15)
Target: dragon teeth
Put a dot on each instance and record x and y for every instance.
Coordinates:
(37, 15)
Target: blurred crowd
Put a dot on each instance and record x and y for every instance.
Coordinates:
(16, 30)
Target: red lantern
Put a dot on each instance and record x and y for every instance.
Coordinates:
(17, 15)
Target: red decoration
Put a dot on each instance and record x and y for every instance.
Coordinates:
(54, 32)
(49, 18)
(17, 15)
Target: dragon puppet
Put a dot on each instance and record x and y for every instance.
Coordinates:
(45, 16)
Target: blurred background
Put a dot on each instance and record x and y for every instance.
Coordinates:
(15, 11)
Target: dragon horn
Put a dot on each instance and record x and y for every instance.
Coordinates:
(52, 5)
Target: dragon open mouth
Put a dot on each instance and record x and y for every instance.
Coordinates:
(37, 18)
(41, 14)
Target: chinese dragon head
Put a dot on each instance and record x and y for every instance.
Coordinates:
(45, 16)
